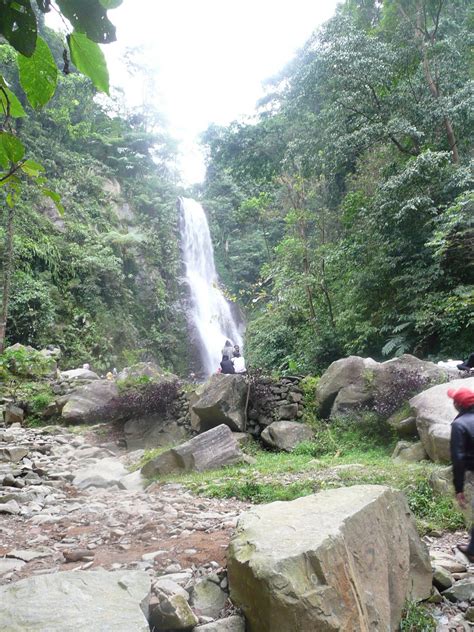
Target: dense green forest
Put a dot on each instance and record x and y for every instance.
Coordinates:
(342, 213)
(101, 280)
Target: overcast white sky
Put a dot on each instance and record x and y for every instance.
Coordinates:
(209, 57)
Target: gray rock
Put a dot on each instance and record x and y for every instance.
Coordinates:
(133, 482)
(79, 374)
(463, 590)
(13, 414)
(344, 559)
(104, 473)
(286, 435)
(434, 412)
(146, 369)
(403, 423)
(447, 562)
(9, 566)
(409, 452)
(86, 402)
(287, 411)
(353, 382)
(172, 612)
(28, 555)
(13, 454)
(210, 450)
(347, 381)
(208, 598)
(78, 600)
(221, 400)
(442, 579)
(152, 431)
(10, 507)
(229, 624)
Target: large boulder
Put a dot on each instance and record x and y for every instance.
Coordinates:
(353, 383)
(90, 400)
(342, 559)
(434, 413)
(286, 435)
(221, 400)
(347, 381)
(212, 449)
(148, 370)
(77, 600)
(79, 374)
(152, 431)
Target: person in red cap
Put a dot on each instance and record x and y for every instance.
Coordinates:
(462, 451)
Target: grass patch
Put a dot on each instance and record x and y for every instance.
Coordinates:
(348, 452)
(416, 618)
(148, 456)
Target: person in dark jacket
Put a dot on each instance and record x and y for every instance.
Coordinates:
(468, 364)
(226, 365)
(462, 451)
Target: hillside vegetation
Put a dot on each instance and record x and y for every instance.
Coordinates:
(343, 212)
(102, 280)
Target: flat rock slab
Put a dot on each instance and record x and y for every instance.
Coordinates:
(28, 555)
(81, 601)
(344, 559)
(434, 412)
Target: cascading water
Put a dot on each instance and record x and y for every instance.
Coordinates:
(210, 312)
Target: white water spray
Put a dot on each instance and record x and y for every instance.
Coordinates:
(210, 312)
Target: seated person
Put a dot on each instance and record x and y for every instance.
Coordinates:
(226, 365)
(468, 364)
(239, 362)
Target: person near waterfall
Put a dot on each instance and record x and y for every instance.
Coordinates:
(462, 454)
(238, 361)
(226, 365)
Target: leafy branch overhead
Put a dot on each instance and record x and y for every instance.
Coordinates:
(88, 26)
(38, 70)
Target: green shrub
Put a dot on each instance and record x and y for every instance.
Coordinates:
(351, 433)
(431, 510)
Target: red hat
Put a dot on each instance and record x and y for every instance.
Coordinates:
(463, 397)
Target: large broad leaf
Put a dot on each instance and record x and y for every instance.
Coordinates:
(110, 4)
(18, 25)
(32, 168)
(9, 103)
(11, 149)
(38, 74)
(89, 17)
(56, 199)
(89, 59)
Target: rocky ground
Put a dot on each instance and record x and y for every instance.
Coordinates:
(65, 506)
(68, 502)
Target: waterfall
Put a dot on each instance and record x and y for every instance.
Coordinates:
(210, 314)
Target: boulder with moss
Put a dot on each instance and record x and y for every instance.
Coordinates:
(342, 559)
(353, 383)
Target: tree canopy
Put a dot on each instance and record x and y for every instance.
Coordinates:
(356, 171)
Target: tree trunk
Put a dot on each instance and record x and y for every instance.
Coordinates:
(7, 270)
